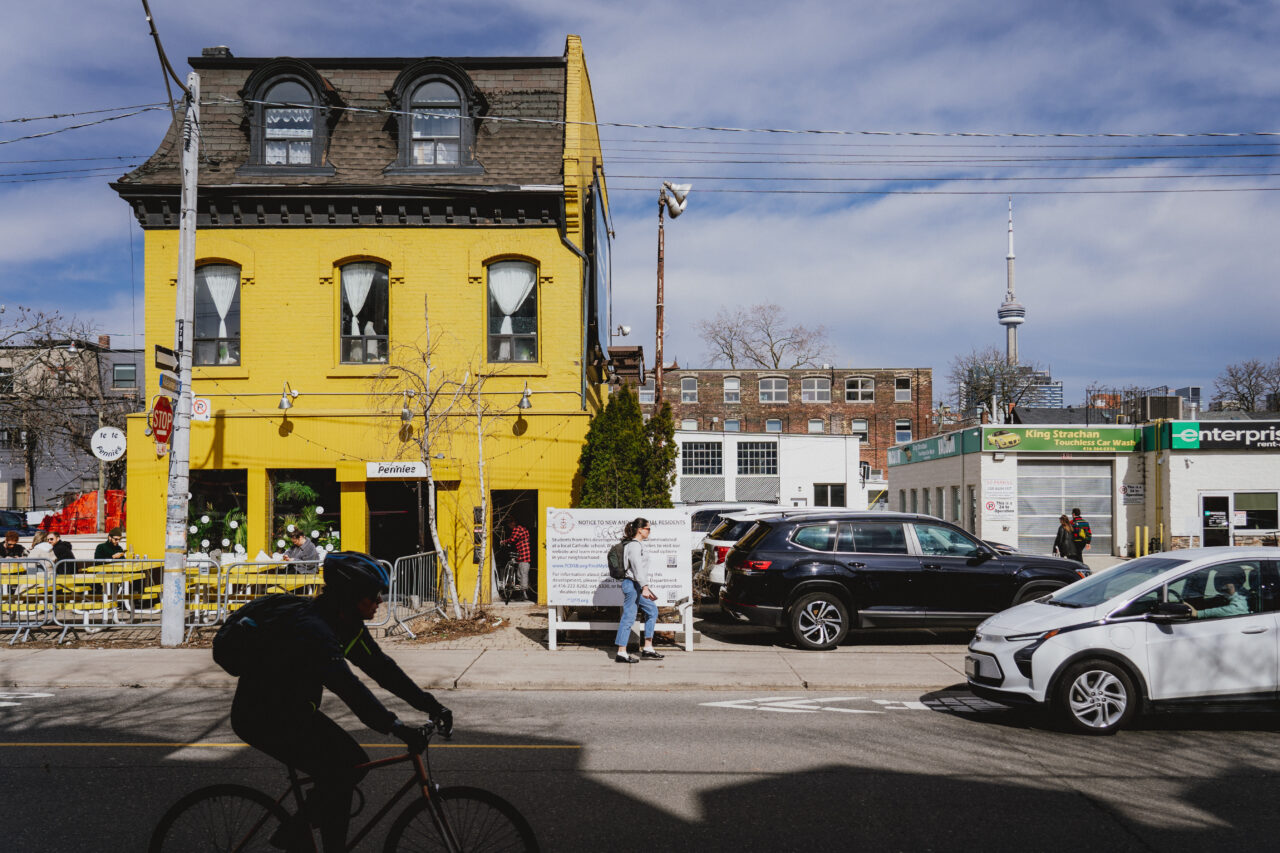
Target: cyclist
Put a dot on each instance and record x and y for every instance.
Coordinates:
(277, 703)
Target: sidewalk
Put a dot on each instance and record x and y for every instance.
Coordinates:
(515, 657)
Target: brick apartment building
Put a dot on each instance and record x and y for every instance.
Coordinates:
(883, 406)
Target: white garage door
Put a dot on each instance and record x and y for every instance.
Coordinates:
(1047, 490)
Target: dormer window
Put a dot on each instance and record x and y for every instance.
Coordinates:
(436, 126)
(438, 110)
(289, 131)
(288, 119)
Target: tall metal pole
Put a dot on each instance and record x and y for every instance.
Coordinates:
(173, 596)
(657, 370)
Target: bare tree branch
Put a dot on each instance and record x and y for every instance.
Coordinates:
(984, 377)
(760, 337)
(1245, 385)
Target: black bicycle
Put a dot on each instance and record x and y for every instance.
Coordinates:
(508, 580)
(457, 819)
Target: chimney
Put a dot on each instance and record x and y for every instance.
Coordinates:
(220, 51)
(104, 342)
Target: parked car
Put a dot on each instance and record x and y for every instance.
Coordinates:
(817, 575)
(1174, 630)
(709, 564)
(705, 516)
(15, 520)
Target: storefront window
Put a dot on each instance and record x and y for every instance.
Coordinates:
(217, 523)
(305, 499)
(1258, 509)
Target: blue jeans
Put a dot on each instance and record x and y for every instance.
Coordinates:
(631, 598)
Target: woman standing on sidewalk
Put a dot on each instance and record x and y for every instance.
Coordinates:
(635, 593)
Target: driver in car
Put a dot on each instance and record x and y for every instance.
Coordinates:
(1234, 603)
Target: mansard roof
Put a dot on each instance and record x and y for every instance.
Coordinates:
(516, 157)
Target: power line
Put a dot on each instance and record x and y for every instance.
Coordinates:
(79, 126)
(78, 114)
(968, 192)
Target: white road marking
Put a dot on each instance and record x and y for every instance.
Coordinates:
(5, 697)
(958, 704)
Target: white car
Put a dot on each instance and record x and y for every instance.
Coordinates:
(1172, 630)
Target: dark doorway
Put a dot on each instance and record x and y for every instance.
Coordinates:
(1217, 520)
(398, 518)
(516, 506)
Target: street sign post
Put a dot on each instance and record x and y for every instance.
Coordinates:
(162, 420)
(166, 359)
(169, 382)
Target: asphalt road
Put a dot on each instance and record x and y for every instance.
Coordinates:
(92, 770)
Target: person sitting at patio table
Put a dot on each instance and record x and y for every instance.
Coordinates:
(111, 549)
(303, 549)
(11, 548)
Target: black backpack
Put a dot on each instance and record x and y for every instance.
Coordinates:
(258, 633)
(617, 566)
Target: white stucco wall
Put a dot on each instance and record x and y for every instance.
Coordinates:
(1189, 474)
(803, 460)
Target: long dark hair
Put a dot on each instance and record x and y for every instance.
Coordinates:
(633, 526)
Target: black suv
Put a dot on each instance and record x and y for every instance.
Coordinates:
(818, 575)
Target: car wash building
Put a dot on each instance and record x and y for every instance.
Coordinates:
(1161, 485)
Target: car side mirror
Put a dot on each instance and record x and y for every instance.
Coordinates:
(982, 555)
(1167, 612)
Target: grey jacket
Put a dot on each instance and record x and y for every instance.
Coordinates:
(636, 562)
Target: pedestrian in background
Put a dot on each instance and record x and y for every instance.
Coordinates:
(62, 551)
(1083, 533)
(41, 547)
(1064, 545)
(11, 548)
(636, 593)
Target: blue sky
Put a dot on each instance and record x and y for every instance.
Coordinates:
(1121, 288)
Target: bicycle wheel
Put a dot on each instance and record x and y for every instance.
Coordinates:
(507, 588)
(478, 820)
(219, 818)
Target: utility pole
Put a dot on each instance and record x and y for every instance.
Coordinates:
(672, 199)
(173, 596)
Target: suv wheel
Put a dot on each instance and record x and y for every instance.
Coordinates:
(819, 620)
(1096, 697)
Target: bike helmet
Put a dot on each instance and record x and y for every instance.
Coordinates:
(354, 575)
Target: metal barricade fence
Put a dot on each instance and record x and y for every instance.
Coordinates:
(415, 588)
(240, 583)
(25, 595)
(106, 593)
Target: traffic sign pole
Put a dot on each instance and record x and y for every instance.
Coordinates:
(173, 596)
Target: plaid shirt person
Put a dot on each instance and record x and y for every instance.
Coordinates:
(518, 539)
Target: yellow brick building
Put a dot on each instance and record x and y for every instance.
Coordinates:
(354, 216)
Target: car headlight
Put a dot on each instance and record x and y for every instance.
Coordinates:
(1032, 637)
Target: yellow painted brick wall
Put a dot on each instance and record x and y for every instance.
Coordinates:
(290, 309)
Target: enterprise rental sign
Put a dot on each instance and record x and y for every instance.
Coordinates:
(1225, 435)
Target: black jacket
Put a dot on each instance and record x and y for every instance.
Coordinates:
(63, 551)
(1065, 544)
(314, 655)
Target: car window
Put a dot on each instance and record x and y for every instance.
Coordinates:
(874, 537)
(703, 519)
(752, 537)
(1221, 590)
(945, 542)
(819, 537)
(1144, 603)
(1107, 585)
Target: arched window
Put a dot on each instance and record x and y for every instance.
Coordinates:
(365, 298)
(288, 132)
(217, 315)
(513, 311)
(289, 119)
(436, 127)
(440, 107)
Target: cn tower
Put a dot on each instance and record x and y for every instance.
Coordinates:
(1012, 313)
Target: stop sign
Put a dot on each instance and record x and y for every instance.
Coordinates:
(162, 420)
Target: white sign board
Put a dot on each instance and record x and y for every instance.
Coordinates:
(999, 488)
(999, 499)
(578, 542)
(200, 408)
(108, 444)
(1133, 493)
(383, 470)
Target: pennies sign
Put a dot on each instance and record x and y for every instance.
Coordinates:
(108, 444)
(162, 420)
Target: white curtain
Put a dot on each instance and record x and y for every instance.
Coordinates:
(510, 282)
(222, 281)
(373, 343)
(357, 278)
